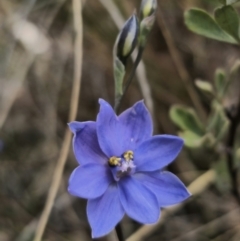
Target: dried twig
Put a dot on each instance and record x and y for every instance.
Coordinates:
(77, 14)
(196, 187)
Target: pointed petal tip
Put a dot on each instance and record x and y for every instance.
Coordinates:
(140, 103)
(74, 126)
(140, 106)
(175, 138)
(102, 102)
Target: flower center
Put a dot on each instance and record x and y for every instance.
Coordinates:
(122, 166)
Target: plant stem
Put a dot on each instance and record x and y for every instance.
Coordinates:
(119, 232)
(118, 100)
(234, 121)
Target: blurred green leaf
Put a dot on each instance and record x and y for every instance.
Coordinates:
(205, 87)
(228, 2)
(220, 81)
(192, 140)
(218, 122)
(223, 131)
(223, 177)
(231, 96)
(202, 23)
(186, 119)
(208, 141)
(227, 18)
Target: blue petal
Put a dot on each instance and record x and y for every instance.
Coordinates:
(138, 123)
(138, 201)
(109, 130)
(157, 152)
(166, 186)
(90, 180)
(105, 212)
(85, 143)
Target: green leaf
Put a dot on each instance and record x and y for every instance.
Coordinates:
(205, 87)
(231, 1)
(192, 140)
(222, 1)
(228, 2)
(186, 119)
(220, 81)
(218, 122)
(223, 176)
(202, 23)
(227, 18)
(232, 97)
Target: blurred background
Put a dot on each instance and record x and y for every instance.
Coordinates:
(36, 73)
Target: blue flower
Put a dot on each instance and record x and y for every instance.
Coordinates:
(121, 168)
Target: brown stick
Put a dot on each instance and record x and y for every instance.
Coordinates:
(57, 176)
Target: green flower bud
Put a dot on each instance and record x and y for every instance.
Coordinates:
(127, 39)
(148, 7)
(145, 27)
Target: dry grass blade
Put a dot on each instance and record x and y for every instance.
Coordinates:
(77, 14)
(196, 187)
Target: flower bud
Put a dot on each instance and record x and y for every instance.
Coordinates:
(127, 39)
(148, 7)
(145, 27)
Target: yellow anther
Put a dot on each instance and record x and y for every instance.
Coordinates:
(114, 161)
(128, 155)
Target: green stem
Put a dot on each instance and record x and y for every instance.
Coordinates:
(119, 99)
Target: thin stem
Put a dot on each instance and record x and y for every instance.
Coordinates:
(118, 101)
(119, 232)
(57, 176)
(234, 121)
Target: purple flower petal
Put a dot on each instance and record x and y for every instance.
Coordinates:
(105, 212)
(157, 152)
(85, 143)
(109, 130)
(166, 186)
(138, 201)
(90, 180)
(138, 123)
